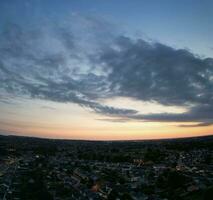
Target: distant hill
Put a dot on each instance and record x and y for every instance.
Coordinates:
(186, 139)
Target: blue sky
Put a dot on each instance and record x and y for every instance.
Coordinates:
(186, 24)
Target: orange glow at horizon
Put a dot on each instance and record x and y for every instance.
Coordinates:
(114, 133)
(70, 121)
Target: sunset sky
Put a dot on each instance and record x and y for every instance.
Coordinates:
(106, 69)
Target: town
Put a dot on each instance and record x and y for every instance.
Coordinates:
(48, 169)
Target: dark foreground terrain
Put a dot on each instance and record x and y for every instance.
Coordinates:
(44, 169)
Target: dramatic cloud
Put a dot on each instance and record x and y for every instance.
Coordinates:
(49, 64)
(68, 64)
(155, 72)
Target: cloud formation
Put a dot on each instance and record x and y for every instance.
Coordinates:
(68, 64)
(155, 72)
(31, 66)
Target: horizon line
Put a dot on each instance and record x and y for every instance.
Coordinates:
(112, 140)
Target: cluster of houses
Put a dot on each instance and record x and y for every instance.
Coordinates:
(68, 177)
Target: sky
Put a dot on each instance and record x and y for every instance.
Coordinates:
(106, 69)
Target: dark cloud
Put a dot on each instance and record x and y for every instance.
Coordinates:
(195, 114)
(28, 67)
(155, 72)
(198, 125)
(64, 65)
(48, 107)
